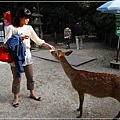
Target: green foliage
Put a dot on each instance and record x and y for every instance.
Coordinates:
(104, 24)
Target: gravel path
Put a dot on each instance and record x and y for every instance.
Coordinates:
(59, 99)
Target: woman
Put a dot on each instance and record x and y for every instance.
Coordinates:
(20, 26)
(67, 36)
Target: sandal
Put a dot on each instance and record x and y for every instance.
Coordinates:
(15, 105)
(37, 99)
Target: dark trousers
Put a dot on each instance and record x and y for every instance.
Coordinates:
(67, 41)
(16, 81)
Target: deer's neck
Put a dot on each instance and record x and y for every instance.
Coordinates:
(70, 72)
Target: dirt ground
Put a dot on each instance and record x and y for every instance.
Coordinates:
(59, 99)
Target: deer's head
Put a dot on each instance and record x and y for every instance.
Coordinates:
(59, 53)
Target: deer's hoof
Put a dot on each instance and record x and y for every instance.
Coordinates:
(79, 116)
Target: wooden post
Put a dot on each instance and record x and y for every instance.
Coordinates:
(55, 38)
(118, 49)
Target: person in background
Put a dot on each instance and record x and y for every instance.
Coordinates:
(26, 32)
(67, 36)
(77, 31)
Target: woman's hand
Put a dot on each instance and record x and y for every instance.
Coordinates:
(50, 47)
(22, 37)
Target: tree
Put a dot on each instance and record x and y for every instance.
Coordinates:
(56, 15)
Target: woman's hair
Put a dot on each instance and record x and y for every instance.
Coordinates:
(22, 12)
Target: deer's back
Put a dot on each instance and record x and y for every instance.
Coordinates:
(97, 84)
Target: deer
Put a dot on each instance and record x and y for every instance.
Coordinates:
(87, 82)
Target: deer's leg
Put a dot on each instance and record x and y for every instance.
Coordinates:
(81, 100)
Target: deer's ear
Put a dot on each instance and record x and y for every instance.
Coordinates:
(67, 53)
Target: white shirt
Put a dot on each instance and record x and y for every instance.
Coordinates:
(67, 32)
(25, 30)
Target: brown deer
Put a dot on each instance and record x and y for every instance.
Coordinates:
(97, 84)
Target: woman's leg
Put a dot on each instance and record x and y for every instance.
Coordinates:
(68, 45)
(15, 101)
(30, 83)
(15, 86)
